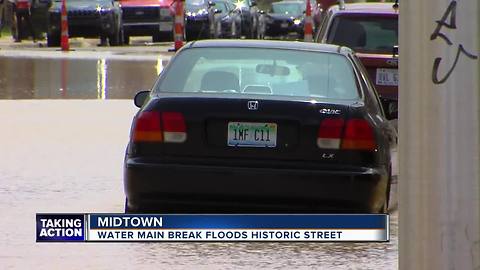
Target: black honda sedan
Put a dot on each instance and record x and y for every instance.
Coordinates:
(245, 126)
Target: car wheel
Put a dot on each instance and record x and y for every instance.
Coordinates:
(234, 30)
(218, 30)
(189, 35)
(157, 37)
(125, 207)
(386, 204)
(126, 39)
(53, 40)
(103, 41)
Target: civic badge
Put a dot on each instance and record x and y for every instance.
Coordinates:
(392, 62)
(252, 105)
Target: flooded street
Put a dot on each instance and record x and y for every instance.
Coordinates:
(66, 156)
(26, 78)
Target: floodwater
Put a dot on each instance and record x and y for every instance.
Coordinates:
(61, 156)
(27, 78)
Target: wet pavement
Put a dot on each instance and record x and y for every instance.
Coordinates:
(70, 78)
(67, 156)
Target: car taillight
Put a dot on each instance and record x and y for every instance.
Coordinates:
(151, 126)
(353, 134)
(147, 128)
(174, 129)
(359, 135)
(330, 133)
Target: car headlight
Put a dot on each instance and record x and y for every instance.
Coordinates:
(102, 10)
(202, 12)
(297, 21)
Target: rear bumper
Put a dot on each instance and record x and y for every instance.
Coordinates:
(276, 30)
(147, 28)
(84, 28)
(181, 188)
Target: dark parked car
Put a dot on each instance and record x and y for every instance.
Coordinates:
(259, 126)
(148, 18)
(249, 13)
(371, 29)
(227, 20)
(199, 19)
(285, 18)
(86, 18)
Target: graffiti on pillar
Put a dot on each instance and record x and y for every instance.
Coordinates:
(448, 21)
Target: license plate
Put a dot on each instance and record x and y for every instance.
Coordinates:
(166, 26)
(246, 134)
(284, 25)
(387, 76)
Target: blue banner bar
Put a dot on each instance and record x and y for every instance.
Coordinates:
(60, 227)
(191, 221)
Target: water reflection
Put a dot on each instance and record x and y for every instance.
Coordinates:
(161, 63)
(76, 78)
(101, 79)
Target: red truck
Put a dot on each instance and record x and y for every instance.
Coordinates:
(371, 30)
(147, 18)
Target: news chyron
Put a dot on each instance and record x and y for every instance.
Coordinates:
(211, 228)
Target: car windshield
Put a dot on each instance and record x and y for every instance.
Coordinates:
(241, 3)
(365, 34)
(293, 9)
(221, 6)
(279, 72)
(194, 5)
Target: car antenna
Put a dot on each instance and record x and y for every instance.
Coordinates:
(341, 4)
(395, 6)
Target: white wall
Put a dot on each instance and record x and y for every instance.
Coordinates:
(439, 204)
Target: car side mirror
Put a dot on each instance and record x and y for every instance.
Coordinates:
(395, 51)
(391, 108)
(217, 11)
(211, 4)
(140, 98)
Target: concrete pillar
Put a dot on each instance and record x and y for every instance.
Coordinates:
(439, 185)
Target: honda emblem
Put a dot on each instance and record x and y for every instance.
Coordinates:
(252, 105)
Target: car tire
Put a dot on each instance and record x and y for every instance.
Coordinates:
(53, 40)
(218, 30)
(127, 209)
(103, 41)
(157, 37)
(386, 204)
(234, 30)
(126, 39)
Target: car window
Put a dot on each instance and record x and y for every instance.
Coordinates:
(368, 85)
(372, 34)
(260, 71)
(221, 6)
(287, 8)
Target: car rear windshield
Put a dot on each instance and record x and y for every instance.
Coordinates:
(373, 34)
(280, 72)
